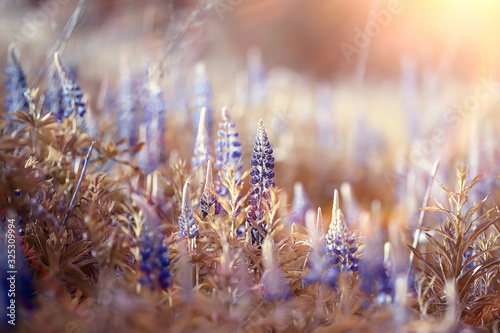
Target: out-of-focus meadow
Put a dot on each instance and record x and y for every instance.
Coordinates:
(371, 77)
(377, 99)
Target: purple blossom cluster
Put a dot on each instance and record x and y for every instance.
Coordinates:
(187, 223)
(208, 199)
(155, 262)
(262, 179)
(15, 85)
(377, 279)
(228, 149)
(71, 95)
(340, 243)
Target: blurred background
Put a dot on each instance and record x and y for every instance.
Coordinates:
(363, 96)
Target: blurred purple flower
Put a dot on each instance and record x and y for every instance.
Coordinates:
(15, 85)
(155, 261)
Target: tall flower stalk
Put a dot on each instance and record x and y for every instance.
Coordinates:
(72, 97)
(340, 243)
(15, 85)
(207, 199)
(187, 223)
(262, 179)
(228, 151)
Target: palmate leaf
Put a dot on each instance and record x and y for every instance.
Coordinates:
(68, 262)
(37, 121)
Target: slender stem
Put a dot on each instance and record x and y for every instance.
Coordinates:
(189, 22)
(72, 203)
(60, 44)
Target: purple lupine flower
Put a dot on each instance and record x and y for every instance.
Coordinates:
(53, 95)
(376, 279)
(300, 203)
(202, 151)
(262, 179)
(187, 223)
(208, 198)
(228, 151)
(340, 243)
(15, 84)
(155, 262)
(71, 95)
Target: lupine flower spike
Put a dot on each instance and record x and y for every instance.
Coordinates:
(155, 262)
(340, 243)
(15, 85)
(53, 94)
(262, 179)
(208, 198)
(187, 223)
(202, 143)
(228, 151)
(72, 97)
